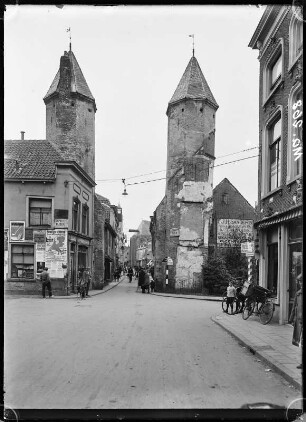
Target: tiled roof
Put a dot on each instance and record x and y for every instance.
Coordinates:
(78, 83)
(193, 85)
(30, 159)
(102, 199)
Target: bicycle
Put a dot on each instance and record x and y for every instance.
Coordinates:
(259, 303)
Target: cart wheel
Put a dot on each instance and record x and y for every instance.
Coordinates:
(248, 309)
(266, 313)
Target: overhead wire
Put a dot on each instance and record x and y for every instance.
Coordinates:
(160, 171)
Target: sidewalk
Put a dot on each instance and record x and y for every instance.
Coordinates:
(271, 343)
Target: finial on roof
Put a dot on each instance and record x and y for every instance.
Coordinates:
(192, 36)
(69, 30)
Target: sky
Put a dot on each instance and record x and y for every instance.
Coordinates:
(133, 58)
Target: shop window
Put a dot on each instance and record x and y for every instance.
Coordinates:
(75, 214)
(22, 261)
(40, 212)
(272, 281)
(85, 219)
(295, 39)
(295, 132)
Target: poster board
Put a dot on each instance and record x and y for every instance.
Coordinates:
(17, 231)
(56, 252)
(233, 232)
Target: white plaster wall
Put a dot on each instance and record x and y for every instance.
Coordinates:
(188, 262)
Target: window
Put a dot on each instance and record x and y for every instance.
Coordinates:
(274, 132)
(75, 214)
(85, 219)
(273, 71)
(295, 39)
(225, 198)
(22, 261)
(40, 212)
(295, 132)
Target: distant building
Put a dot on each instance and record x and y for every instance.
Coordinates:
(279, 40)
(180, 224)
(141, 245)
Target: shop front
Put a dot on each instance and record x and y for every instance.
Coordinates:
(280, 259)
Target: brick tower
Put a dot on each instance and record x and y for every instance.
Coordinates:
(190, 155)
(70, 114)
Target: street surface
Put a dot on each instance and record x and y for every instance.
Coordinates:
(128, 350)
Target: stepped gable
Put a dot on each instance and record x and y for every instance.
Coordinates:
(78, 82)
(193, 85)
(30, 159)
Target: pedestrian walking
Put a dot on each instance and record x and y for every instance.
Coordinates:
(296, 316)
(87, 280)
(46, 282)
(141, 277)
(130, 274)
(152, 285)
(146, 285)
(230, 293)
(117, 275)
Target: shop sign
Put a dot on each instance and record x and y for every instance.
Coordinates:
(174, 232)
(233, 232)
(17, 231)
(61, 223)
(248, 248)
(6, 239)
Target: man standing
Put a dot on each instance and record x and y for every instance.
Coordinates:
(231, 293)
(46, 282)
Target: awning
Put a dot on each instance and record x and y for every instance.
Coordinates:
(275, 219)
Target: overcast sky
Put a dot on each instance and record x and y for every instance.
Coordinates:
(133, 58)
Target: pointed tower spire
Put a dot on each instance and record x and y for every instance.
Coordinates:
(193, 85)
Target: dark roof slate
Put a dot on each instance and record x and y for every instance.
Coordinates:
(78, 82)
(193, 85)
(30, 159)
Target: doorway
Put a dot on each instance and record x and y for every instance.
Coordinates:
(295, 268)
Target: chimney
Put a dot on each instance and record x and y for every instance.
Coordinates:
(22, 135)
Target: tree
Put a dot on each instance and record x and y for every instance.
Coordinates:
(215, 275)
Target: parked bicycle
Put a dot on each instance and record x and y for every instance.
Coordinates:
(258, 302)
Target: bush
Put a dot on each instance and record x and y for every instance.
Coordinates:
(215, 275)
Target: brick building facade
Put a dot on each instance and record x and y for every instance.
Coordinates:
(279, 39)
(232, 218)
(180, 224)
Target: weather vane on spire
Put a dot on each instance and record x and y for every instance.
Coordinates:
(69, 30)
(192, 36)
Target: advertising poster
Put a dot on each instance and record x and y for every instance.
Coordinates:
(17, 230)
(231, 232)
(39, 237)
(56, 252)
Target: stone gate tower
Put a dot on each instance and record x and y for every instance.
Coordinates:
(70, 114)
(180, 225)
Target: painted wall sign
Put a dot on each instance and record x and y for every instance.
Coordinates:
(61, 223)
(56, 252)
(233, 232)
(174, 232)
(17, 231)
(76, 188)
